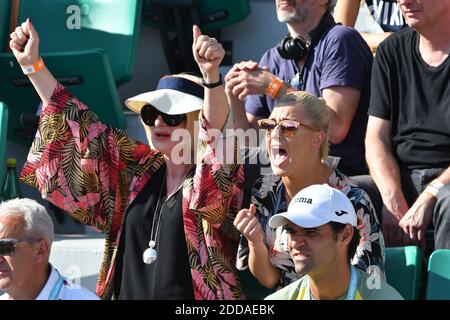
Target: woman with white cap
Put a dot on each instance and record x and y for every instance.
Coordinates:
(167, 220)
(297, 142)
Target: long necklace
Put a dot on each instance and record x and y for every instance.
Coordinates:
(149, 256)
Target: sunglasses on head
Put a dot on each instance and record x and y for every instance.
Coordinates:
(287, 127)
(149, 114)
(8, 246)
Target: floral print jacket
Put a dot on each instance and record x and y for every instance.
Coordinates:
(268, 195)
(94, 171)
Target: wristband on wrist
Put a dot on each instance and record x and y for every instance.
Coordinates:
(434, 187)
(212, 85)
(274, 87)
(33, 68)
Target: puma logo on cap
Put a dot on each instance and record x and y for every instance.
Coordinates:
(305, 200)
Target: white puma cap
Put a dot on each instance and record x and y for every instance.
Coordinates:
(317, 205)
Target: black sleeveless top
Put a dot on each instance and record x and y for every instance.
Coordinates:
(169, 277)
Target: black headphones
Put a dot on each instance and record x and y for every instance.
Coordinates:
(298, 48)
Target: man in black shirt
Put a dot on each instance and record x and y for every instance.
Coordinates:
(408, 133)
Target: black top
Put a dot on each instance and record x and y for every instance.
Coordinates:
(387, 14)
(415, 98)
(169, 277)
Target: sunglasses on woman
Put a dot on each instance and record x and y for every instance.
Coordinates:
(8, 246)
(287, 127)
(149, 114)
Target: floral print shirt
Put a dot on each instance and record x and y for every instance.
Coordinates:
(268, 195)
(94, 171)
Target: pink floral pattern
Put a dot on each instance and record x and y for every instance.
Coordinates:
(94, 171)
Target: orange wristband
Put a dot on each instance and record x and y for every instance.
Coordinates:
(33, 68)
(273, 87)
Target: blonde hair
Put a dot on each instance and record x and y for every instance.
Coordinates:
(316, 111)
(192, 117)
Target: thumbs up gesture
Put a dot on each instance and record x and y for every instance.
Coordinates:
(248, 224)
(208, 52)
(25, 43)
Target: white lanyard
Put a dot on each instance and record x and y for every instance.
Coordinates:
(351, 288)
(56, 288)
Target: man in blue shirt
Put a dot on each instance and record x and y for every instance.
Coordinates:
(318, 56)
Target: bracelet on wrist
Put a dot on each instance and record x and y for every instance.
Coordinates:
(274, 87)
(437, 184)
(34, 67)
(434, 187)
(212, 85)
(431, 190)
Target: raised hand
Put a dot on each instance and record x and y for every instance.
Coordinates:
(248, 224)
(208, 52)
(241, 66)
(247, 78)
(25, 43)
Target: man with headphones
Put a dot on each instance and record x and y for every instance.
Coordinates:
(318, 56)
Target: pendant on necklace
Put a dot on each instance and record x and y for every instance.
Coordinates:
(149, 255)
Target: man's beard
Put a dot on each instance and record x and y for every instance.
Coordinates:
(298, 15)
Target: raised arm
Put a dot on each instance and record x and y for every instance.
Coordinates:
(81, 165)
(218, 183)
(25, 46)
(208, 53)
(248, 78)
(258, 253)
